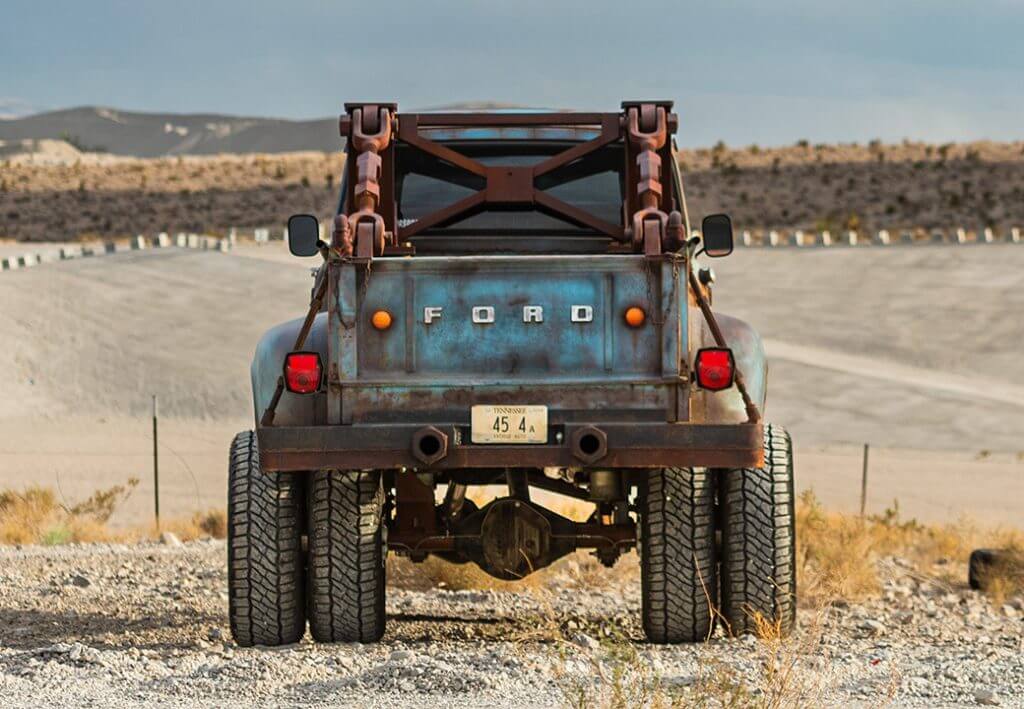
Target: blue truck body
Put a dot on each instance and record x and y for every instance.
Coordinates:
(431, 370)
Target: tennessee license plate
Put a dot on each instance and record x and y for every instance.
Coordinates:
(509, 424)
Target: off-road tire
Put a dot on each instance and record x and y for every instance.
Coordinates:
(266, 600)
(678, 579)
(346, 557)
(758, 566)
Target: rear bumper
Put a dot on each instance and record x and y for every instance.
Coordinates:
(622, 445)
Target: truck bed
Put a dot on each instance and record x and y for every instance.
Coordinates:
(549, 330)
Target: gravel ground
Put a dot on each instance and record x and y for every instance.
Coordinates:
(102, 625)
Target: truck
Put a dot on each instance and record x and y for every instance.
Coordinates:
(511, 299)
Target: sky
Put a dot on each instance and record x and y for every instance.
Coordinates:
(744, 71)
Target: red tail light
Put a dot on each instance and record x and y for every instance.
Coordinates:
(715, 368)
(302, 372)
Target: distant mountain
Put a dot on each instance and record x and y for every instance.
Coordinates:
(149, 135)
(97, 129)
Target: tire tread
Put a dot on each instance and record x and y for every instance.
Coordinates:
(758, 569)
(265, 558)
(346, 557)
(678, 577)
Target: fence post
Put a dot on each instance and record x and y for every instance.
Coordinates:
(156, 468)
(864, 483)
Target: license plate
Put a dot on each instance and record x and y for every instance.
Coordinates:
(509, 424)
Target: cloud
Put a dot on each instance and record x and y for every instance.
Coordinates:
(11, 107)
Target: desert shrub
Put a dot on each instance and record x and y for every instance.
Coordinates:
(100, 506)
(36, 516)
(833, 554)
(27, 516)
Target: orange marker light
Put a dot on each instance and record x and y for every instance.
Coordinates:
(381, 320)
(635, 316)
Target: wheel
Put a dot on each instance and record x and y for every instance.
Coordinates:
(265, 559)
(758, 570)
(346, 557)
(677, 555)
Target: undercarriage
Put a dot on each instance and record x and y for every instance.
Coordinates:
(512, 535)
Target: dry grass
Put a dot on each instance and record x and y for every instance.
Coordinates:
(619, 676)
(839, 556)
(35, 516)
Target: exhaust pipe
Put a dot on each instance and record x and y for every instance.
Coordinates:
(589, 444)
(429, 445)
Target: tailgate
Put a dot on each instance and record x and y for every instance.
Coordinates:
(545, 330)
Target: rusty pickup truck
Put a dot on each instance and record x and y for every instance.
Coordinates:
(510, 301)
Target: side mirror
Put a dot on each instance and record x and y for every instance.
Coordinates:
(716, 230)
(303, 235)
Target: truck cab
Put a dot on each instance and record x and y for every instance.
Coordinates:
(510, 299)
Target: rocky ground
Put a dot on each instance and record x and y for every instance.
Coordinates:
(102, 625)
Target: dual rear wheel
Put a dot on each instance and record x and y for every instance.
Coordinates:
(715, 546)
(719, 546)
(274, 584)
